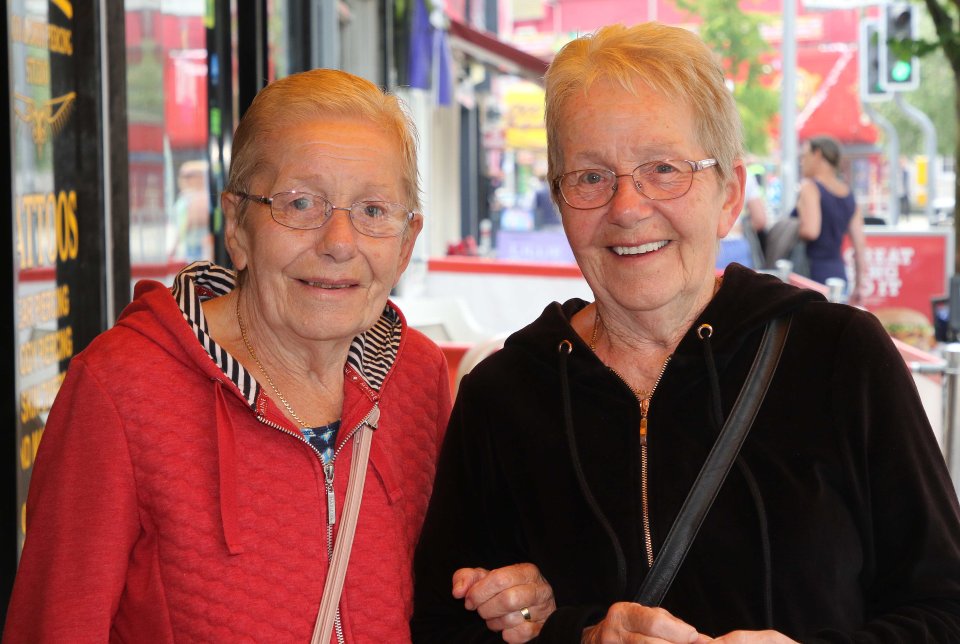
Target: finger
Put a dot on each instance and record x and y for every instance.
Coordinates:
(537, 598)
(522, 633)
(501, 579)
(754, 637)
(652, 622)
(608, 633)
(464, 579)
(508, 601)
(512, 619)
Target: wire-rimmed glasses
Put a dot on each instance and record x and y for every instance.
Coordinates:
(305, 211)
(657, 180)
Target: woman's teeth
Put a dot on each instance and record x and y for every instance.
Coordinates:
(639, 250)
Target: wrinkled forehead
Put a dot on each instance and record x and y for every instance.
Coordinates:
(644, 117)
(300, 142)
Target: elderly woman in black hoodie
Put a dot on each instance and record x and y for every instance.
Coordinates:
(570, 452)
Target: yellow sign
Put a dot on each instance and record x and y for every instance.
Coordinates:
(524, 122)
(920, 183)
(45, 118)
(65, 6)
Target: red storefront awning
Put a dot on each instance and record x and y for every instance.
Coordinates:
(486, 48)
(833, 104)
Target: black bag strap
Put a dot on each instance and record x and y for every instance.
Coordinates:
(716, 467)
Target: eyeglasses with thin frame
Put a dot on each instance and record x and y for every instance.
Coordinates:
(305, 211)
(657, 180)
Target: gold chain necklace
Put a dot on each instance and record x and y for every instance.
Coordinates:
(243, 334)
(641, 394)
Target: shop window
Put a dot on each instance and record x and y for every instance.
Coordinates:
(170, 202)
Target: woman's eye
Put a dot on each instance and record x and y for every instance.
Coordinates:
(302, 203)
(373, 210)
(591, 178)
(663, 168)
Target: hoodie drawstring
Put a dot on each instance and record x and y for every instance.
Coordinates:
(564, 349)
(227, 465)
(704, 332)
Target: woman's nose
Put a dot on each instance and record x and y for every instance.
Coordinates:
(337, 236)
(628, 202)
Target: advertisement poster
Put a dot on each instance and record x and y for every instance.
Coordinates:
(904, 268)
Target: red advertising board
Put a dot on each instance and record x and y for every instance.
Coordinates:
(904, 268)
(185, 102)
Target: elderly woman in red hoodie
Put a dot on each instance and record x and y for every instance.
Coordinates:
(192, 481)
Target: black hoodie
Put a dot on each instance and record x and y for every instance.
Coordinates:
(839, 523)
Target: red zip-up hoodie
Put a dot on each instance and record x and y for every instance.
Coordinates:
(171, 501)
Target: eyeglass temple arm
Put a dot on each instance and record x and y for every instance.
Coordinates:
(258, 198)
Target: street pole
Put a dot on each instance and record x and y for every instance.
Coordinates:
(788, 109)
(893, 161)
(930, 149)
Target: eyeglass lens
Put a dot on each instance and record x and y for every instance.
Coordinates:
(656, 180)
(305, 211)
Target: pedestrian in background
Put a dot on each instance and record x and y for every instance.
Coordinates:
(827, 212)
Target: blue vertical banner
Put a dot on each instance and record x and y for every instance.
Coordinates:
(429, 63)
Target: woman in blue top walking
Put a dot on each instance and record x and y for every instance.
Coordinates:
(827, 211)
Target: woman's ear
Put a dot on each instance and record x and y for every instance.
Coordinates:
(733, 195)
(415, 225)
(235, 237)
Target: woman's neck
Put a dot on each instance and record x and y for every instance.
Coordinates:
(637, 344)
(307, 375)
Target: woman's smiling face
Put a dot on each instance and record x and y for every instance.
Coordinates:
(331, 282)
(636, 253)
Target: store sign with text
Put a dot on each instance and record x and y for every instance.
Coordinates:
(904, 269)
(57, 307)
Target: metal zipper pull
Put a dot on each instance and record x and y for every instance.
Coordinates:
(331, 498)
(644, 410)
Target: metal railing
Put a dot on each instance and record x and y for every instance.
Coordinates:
(949, 369)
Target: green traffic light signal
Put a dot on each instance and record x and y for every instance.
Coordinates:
(899, 68)
(901, 71)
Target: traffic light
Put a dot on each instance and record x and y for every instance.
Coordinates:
(871, 48)
(899, 69)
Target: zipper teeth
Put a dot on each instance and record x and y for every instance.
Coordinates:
(663, 369)
(337, 623)
(644, 495)
(300, 437)
(647, 534)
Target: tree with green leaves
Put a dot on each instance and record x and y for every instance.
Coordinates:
(946, 23)
(735, 35)
(935, 98)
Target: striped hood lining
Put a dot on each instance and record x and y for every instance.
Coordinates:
(371, 354)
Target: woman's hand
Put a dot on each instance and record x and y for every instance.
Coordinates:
(754, 637)
(514, 600)
(856, 297)
(629, 622)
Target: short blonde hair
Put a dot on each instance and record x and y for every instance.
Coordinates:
(670, 60)
(319, 94)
